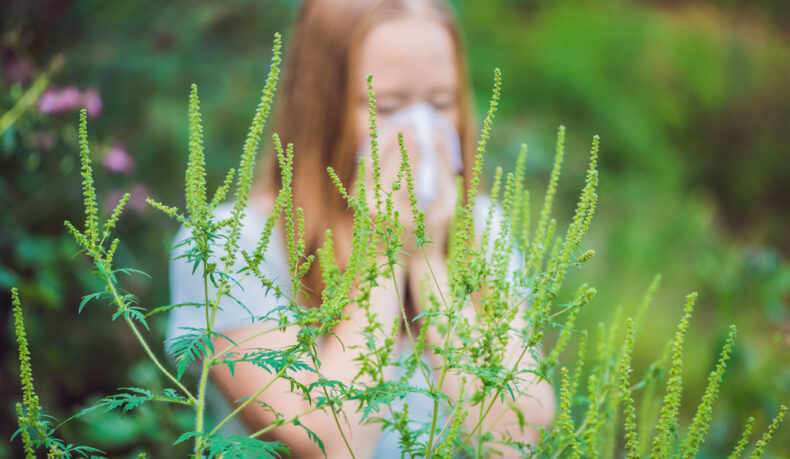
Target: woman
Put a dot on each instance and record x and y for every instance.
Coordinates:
(413, 50)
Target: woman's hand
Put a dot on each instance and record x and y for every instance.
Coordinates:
(438, 211)
(439, 214)
(389, 167)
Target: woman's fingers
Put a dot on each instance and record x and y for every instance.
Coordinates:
(446, 189)
(438, 201)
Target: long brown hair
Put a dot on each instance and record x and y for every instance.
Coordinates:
(314, 110)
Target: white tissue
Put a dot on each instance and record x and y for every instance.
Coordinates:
(426, 123)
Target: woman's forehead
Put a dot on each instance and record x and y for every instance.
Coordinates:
(406, 55)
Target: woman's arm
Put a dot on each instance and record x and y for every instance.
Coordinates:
(537, 403)
(336, 363)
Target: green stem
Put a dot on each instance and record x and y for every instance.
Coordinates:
(451, 328)
(480, 443)
(28, 99)
(142, 342)
(433, 428)
(447, 422)
(504, 317)
(493, 400)
(171, 400)
(201, 407)
(209, 320)
(408, 329)
(583, 426)
(242, 341)
(215, 304)
(156, 361)
(285, 422)
(331, 405)
(252, 399)
(435, 280)
(445, 367)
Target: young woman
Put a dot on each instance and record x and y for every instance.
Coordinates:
(413, 50)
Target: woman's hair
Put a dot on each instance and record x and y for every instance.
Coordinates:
(315, 110)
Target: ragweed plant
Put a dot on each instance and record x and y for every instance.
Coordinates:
(485, 329)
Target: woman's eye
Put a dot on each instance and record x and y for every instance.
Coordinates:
(387, 104)
(443, 102)
(386, 110)
(444, 106)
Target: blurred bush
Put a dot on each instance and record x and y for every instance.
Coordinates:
(690, 99)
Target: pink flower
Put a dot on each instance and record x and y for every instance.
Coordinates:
(137, 199)
(57, 101)
(92, 102)
(118, 160)
(69, 99)
(111, 199)
(48, 102)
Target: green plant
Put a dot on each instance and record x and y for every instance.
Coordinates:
(513, 308)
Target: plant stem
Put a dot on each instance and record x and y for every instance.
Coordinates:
(445, 367)
(200, 412)
(480, 443)
(408, 329)
(433, 428)
(451, 328)
(156, 361)
(331, 406)
(580, 429)
(205, 296)
(447, 422)
(493, 400)
(287, 421)
(142, 342)
(433, 275)
(252, 398)
(171, 400)
(28, 99)
(242, 341)
(199, 415)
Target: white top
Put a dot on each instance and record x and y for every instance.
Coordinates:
(186, 287)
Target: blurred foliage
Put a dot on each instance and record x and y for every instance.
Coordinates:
(690, 99)
(692, 105)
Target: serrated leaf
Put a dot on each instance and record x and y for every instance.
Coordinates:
(188, 347)
(426, 314)
(135, 313)
(168, 307)
(273, 360)
(237, 447)
(185, 436)
(130, 271)
(312, 436)
(172, 394)
(87, 298)
(104, 273)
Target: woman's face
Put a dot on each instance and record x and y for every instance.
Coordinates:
(412, 60)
